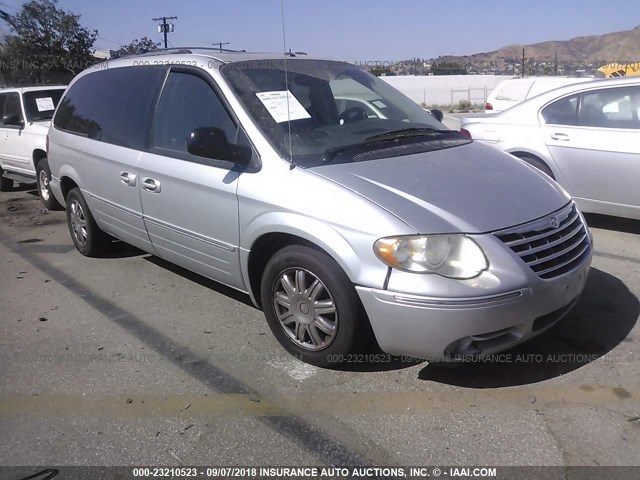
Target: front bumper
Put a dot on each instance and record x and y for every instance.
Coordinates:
(439, 328)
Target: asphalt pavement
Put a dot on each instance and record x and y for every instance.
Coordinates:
(129, 360)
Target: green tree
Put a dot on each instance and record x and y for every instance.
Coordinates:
(46, 43)
(137, 46)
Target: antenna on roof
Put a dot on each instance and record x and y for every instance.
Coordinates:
(286, 83)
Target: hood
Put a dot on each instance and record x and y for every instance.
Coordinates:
(471, 188)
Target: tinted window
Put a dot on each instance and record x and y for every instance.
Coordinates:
(10, 104)
(611, 108)
(113, 106)
(188, 102)
(40, 104)
(562, 112)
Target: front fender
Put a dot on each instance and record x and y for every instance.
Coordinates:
(355, 256)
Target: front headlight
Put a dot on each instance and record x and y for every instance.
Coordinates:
(453, 256)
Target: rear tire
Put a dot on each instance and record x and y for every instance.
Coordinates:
(312, 307)
(43, 177)
(537, 163)
(85, 233)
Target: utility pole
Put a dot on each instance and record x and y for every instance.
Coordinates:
(165, 27)
(220, 44)
(555, 65)
(523, 60)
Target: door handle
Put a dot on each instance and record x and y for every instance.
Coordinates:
(150, 185)
(128, 178)
(561, 137)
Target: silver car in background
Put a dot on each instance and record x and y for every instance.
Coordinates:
(242, 168)
(586, 136)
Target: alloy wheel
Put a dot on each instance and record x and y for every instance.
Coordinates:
(44, 185)
(305, 309)
(78, 222)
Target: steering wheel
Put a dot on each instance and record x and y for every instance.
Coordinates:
(354, 114)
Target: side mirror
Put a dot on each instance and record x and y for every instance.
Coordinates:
(211, 142)
(437, 114)
(12, 119)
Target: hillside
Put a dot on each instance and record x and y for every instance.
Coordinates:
(618, 46)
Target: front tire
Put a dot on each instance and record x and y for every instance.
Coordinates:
(43, 177)
(85, 233)
(312, 307)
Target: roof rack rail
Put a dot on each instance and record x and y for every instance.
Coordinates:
(293, 54)
(179, 50)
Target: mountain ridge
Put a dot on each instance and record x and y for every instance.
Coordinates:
(622, 46)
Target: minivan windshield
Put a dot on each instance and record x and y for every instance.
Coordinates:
(331, 111)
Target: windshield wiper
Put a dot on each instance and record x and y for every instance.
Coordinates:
(405, 133)
(330, 154)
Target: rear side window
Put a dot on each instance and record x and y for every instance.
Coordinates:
(113, 106)
(562, 112)
(611, 108)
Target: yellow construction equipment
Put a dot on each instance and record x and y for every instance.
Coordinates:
(613, 70)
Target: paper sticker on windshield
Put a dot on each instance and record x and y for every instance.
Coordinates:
(45, 104)
(379, 104)
(277, 103)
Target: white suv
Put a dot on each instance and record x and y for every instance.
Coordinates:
(25, 115)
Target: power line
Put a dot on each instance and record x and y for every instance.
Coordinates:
(165, 27)
(110, 41)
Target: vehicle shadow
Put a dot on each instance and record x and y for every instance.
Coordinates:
(378, 361)
(625, 225)
(200, 280)
(602, 319)
(121, 249)
(30, 188)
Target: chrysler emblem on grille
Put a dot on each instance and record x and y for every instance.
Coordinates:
(554, 222)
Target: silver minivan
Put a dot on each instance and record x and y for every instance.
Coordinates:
(344, 226)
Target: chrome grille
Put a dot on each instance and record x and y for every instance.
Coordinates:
(552, 245)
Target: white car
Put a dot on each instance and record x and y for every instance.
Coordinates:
(586, 136)
(25, 115)
(516, 90)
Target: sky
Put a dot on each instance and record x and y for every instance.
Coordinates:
(353, 30)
